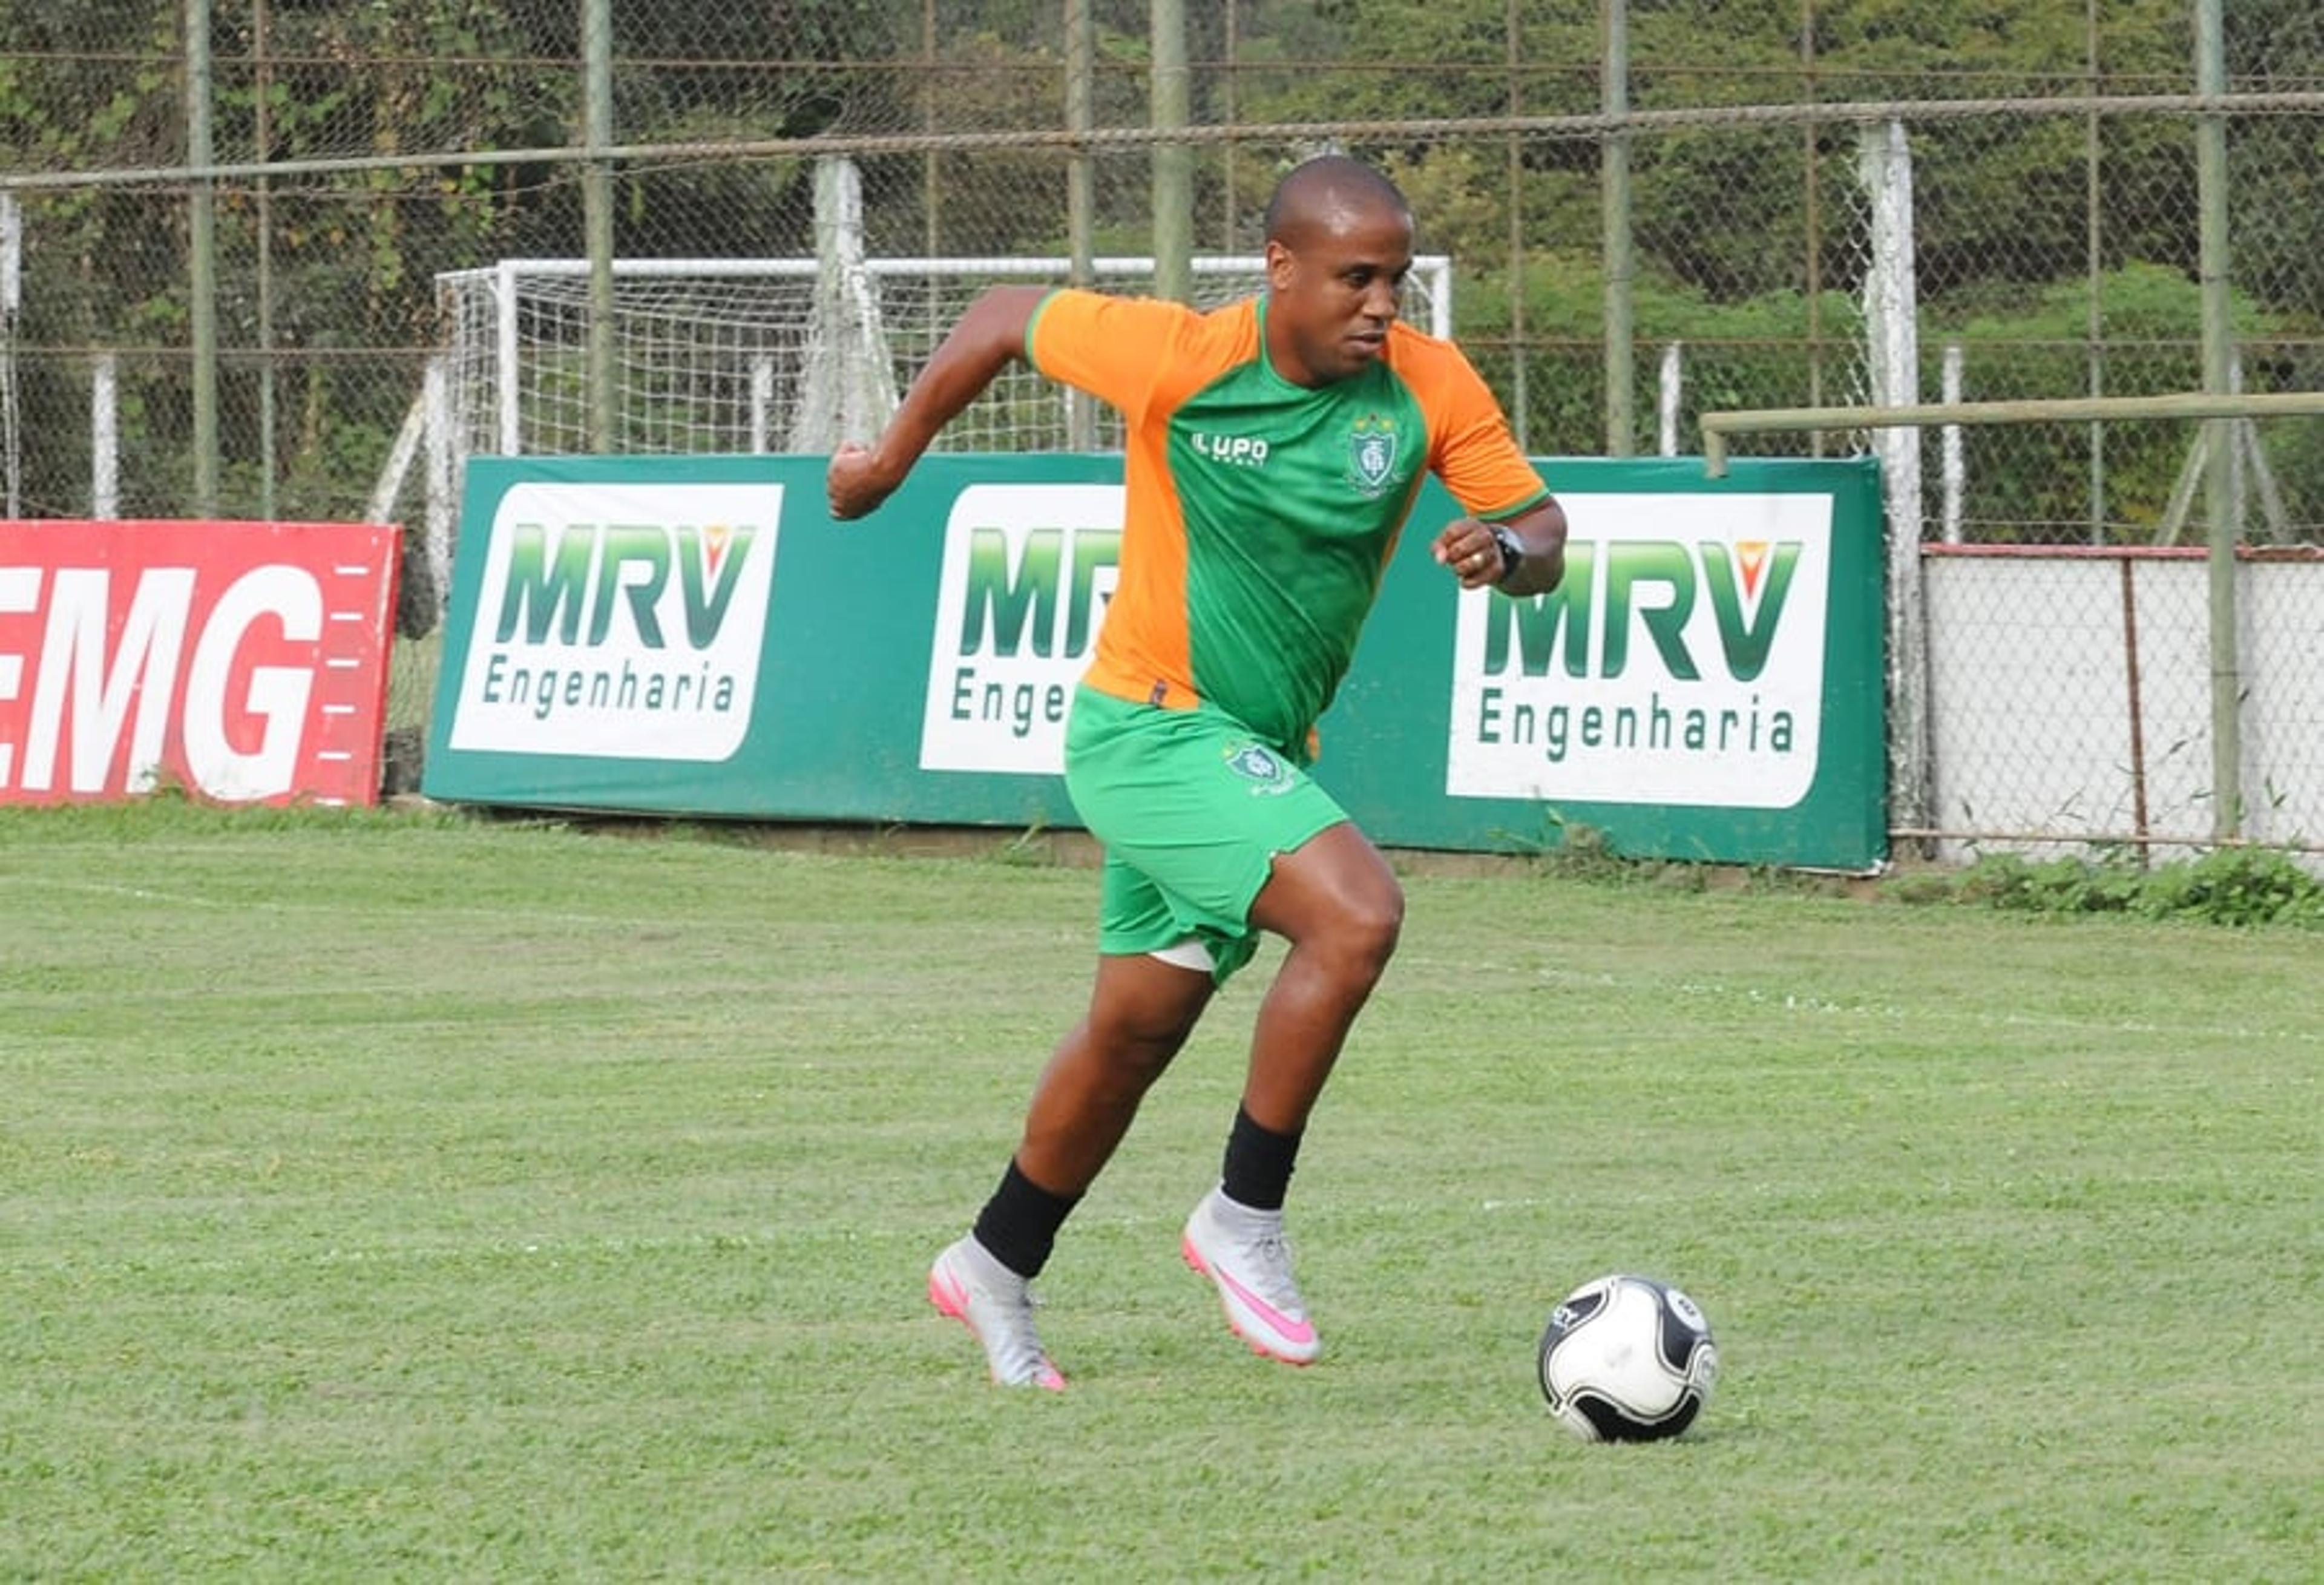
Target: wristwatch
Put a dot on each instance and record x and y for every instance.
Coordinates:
(1512, 551)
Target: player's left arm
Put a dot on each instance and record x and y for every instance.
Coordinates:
(1514, 537)
(1523, 554)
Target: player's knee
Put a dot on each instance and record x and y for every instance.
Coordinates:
(1338, 903)
(1141, 1039)
(1147, 1049)
(1366, 929)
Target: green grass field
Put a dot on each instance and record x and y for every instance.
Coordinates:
(396, 1197)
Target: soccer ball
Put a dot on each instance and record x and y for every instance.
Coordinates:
(1627, 1358)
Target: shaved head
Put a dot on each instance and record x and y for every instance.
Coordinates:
(1339, 244)
(1329, 192)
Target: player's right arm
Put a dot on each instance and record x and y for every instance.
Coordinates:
(981, 344)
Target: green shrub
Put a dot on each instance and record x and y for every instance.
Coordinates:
(2236, 886)
(2240, 887)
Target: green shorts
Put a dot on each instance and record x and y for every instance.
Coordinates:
(1193, 807)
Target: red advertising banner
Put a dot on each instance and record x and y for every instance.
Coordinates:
(244, 662)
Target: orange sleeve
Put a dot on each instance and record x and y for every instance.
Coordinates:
(1469, 446)
(1110, 346)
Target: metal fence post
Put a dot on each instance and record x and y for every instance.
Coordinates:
(598, 220)
(1174, 161)
(12, 286)
(2219, 501)
(201, 273)
(1081, 193)
(1615, 182)
(1892, 321)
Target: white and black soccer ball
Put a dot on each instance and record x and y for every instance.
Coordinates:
(1627, 1359)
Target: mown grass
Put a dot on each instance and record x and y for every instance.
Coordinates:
(395, 1196)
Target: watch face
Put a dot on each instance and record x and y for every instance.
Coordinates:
(1512, 551)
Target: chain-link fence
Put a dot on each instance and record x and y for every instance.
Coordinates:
(227, 226)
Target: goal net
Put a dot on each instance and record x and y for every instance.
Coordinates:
(739, 355)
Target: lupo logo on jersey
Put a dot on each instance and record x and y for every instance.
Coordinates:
(620, 621)
(1680, 662)
(1028, 570)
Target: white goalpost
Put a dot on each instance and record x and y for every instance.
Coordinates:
(728, 354)
(750, 355)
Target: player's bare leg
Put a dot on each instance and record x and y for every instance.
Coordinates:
(1141, 1010)
(1339, 905)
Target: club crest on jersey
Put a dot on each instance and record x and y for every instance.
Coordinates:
(1262, 766)
(1371, 453)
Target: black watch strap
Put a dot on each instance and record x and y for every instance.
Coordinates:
(1512, 551)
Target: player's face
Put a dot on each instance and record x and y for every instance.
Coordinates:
(1331, 297)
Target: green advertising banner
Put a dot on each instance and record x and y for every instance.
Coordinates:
(695, 636)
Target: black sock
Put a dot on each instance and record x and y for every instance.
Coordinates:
(1018, 1225)
(1258, 1170)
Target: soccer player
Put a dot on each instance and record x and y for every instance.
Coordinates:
(1275, 448)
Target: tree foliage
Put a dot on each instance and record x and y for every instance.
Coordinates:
(1743, 231)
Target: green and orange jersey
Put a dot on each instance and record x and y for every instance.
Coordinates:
(1260, 514)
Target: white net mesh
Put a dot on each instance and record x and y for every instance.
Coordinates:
(721, 356)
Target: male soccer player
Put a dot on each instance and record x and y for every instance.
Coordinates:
(1275, 448)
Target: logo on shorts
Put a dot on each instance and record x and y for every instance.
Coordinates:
(1267, 771)
(1371, 453)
